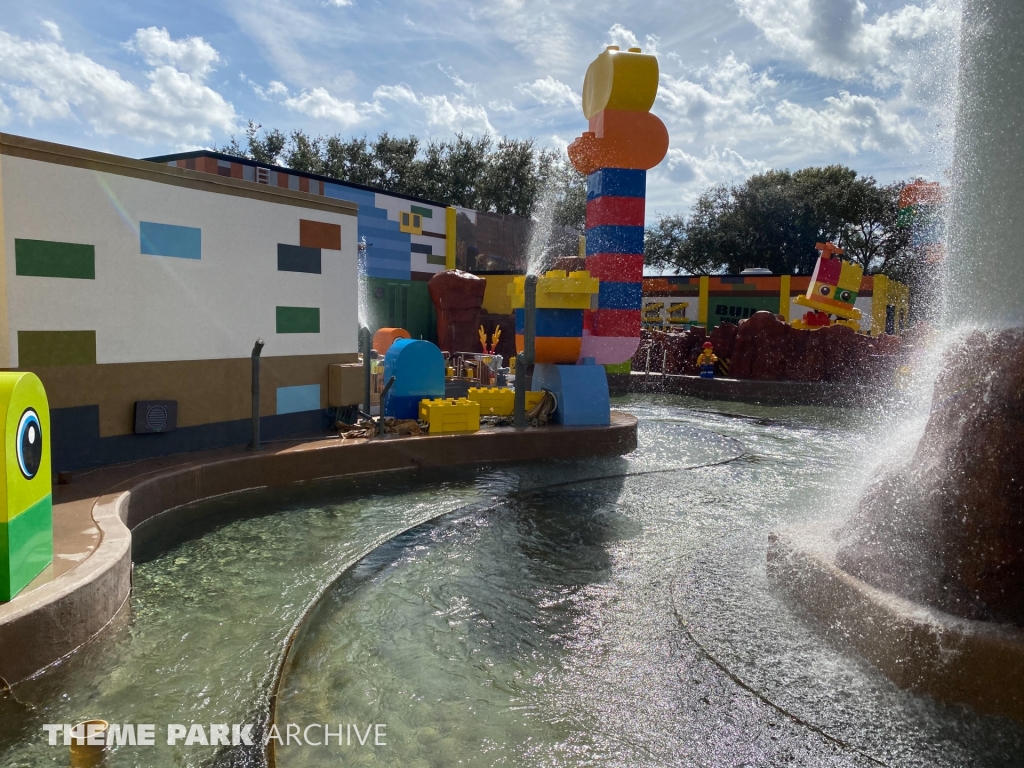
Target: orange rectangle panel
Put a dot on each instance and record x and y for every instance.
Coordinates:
(319, 234)
(561, 350)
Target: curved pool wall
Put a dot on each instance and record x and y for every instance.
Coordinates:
(47, 622)
(621, 620)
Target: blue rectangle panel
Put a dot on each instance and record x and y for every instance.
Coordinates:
(373, 270)
(561, 323)
(170, 240)
(620, 295)
(617, 182)
(296, 399)
(615, 240)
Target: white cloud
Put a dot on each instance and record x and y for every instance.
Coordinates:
(189, 54)
(550, 92)
(462, 85)
(731, 98)
(504, 105)
(52, 28)
(277, 88)
(46, 81)
(834, 38)
(715, 167)
(321, 105)
(540, 30)
(625, 39)
(340, 3)
(452, 115)
(852, 123)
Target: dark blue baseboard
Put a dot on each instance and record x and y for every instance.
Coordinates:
(76, 442)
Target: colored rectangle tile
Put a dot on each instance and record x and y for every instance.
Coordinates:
(620, 295)
(170, 240)
(615, 240)
(39, 349)
(619, 211)
(436, 260)
(319, 234)
(426, 213)
(48, 258)
(296, 258)
(305, 397)
(616, 267)
(298, 319)
(617, 182)
(419, 248)
(554, 322)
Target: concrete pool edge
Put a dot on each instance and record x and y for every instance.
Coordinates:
(44, 624)
(919, 648)
(755, 391)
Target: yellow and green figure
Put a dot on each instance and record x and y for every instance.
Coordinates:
(832, 290)
(26, 529)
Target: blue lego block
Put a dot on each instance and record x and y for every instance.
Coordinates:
(620, 295)
(554, 322)
(610, 239)
(418, 368)
(581, 392)
(617, 182)
(170, 240)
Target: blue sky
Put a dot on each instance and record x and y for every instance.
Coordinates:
(746, 85)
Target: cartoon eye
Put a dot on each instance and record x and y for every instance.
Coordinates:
(845, 296)
(825, 290)
(29, 444)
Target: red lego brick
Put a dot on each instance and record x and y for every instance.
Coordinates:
(616, 267)
(615, 211)
(616, 322)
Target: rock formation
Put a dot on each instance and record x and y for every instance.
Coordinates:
(947, 529)
(457, 297)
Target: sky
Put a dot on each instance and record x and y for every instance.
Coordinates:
(746, 85)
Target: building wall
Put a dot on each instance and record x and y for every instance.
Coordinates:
(128, 281)
(731, 298)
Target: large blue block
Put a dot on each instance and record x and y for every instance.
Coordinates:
(581, 393)
(617, 182)
(554, 322)
(170, 240)
(418, 368)
(305, 397)
(620, 295)
(611, 239)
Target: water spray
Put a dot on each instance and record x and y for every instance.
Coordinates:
(525, 358)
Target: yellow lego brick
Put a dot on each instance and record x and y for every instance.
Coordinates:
(448, 416)
(558, 290)
(850, 276)
(494, 401)
(621, 80)
(532, 398)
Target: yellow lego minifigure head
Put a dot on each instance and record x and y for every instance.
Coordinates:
(26, 518)
(834, 284)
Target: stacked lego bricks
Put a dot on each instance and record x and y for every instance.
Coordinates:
(562, 300)
(615, 256)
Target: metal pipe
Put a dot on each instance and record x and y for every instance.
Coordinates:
(525, 358)
(257, 348)
(383, 398)
(365, 344)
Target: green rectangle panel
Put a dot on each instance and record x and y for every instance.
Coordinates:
(37, 349)
(298, 320)
(426, 213)
(45, 258)
(26, 547)
(438, 260)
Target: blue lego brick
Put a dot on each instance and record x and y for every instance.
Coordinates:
(389, 273)
(581, 392)
(305, 397)
(561, 323)
(615, 240)
(363, 198)
(381, 229)
(620, 295)
(617, 182)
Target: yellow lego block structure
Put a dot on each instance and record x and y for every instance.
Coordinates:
(410, 222)
(834, 284)
(533, 399)
(620, 80)
(26, 505)
(494, 401)
(450, 416)
(557, 290)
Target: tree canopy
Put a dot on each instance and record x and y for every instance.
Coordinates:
(506, 176)
(774, 219)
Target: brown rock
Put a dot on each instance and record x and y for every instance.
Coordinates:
(947, 529)
(457, 297)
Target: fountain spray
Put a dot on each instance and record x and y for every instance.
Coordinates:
(525, 358)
